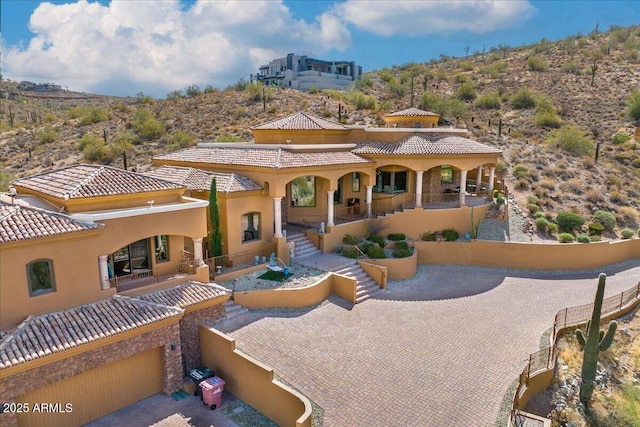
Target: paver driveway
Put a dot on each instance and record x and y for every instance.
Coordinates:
(440, 349)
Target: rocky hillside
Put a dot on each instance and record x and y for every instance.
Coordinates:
(559, 103)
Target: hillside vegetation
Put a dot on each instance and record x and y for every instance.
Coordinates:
(559, 103)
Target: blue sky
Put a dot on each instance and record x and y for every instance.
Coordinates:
(124, 47)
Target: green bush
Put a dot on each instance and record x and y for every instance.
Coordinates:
(181, 139)
(364, 246)
(46, 135)
(362, 101)
(583, 238)
(636, 162)
(450, 235)
(535, 63)
(338, 249)
(348, 239)
(375, 238)
(552, 228)
(488, 101)
(596, 229)
(566, 238)
(571, 67)
(532, 198)
(146, 126)
(396, 236)
(350, 252)
(93, 115)
(376, 252)
(467, 92)
(523, 99)
(402, 245)
(402, 253)
(569, 221)
(542, 224)
(429, 237)
(520, 171)
(94, 149)
(627, 233)
(572, 140)
(126, 137)
(539, 214)
(633, 104)
(533, 208)
(548, 119)
(605, 218)
(621, 138)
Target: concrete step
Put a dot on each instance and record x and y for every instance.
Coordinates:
(234, 311)
(366, 287)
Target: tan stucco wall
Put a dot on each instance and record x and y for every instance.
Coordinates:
(411, 121)
(280, 136)
(252, 381)
(552, 256)
(377, 272)
(342, 286)
(399, 268)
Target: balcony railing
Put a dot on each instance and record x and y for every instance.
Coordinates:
(151, 276)
(239, 260)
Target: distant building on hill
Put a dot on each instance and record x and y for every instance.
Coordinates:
(40, 87)
(304, 73)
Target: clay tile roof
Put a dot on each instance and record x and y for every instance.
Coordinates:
(85, 181)
(260, 157)
(197, 179)
(412, 112)
(185, 294)
(40, 336)
(301, 121)
(23, 223)
(419, 144)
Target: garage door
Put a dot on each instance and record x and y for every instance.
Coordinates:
(95, 393)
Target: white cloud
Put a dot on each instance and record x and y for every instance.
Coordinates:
(414, 18)
(156, 47)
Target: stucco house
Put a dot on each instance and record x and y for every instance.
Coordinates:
(101, 277)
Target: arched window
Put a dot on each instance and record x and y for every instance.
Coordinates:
(40, 277)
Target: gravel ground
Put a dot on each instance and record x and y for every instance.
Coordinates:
(513, 231)
(302, 276)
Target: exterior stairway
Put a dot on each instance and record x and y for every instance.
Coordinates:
(303, 246)
(366, 287)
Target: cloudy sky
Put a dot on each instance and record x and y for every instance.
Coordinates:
(123, 47)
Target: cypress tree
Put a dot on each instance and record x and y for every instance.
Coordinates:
(215, 237)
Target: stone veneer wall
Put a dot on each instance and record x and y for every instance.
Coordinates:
(33, 379)
(190, 335)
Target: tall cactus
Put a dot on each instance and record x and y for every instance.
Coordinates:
(594, 341)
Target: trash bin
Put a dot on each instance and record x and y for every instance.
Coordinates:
(200, 374)
(212, 389)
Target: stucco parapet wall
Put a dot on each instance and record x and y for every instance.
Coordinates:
(290, 147)
(397, 268)
(185, 203)
(338, 284)
(427, 131)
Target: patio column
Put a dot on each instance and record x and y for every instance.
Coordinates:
(330, 208)
(463, 187)
(277, 215)
(479, 180)
(197, 252)
(104, 272)
(369, 199)
(419, 188)
(492, 173)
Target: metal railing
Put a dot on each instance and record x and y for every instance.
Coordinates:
(239, 260)
(570, 317)
(143, 278)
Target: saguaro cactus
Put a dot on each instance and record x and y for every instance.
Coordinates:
(594, 340)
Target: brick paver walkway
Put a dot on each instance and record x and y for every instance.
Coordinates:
(440, 349)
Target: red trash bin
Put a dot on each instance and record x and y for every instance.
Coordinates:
(212, 389)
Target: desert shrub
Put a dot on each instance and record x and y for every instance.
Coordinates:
(228, 137)
(94, 149)
(46, 135)
(533, 208)
(552, 228)
(542, 224)
(375, 238)
(467, 92)
(569, 221)
(450, 235)
(627, 233)
(338, 249)
(548, 119)
(460, 78)
(402, 245)
(522, 99)
(606, 219)
(488, 101)
(566, 238)
(583, 238)
(181, 139)
(376, 252)
(466, 65)
(93, 115)
(629, 216)
(402, 253)
(539, 214)
(396, 236)
(572, 140)
(633, 104)
(350, 252)
(571, 67)
(636, 162)
(126, 137)
(535, 63)
(362, 101)
(364, 246)
(348, 239)
(596, 229)
(621, 138)
(520, 171)
(429, 237)
(146, 126)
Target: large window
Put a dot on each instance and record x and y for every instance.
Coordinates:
(303, 191)
(250, 223)
(133, 258)
(355, 182)
(391, 182)
(40, 276)
(446, 174)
